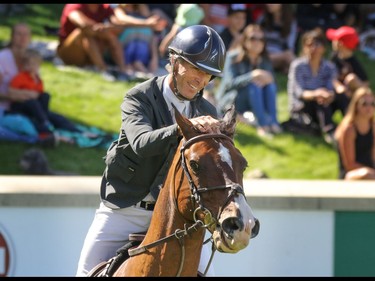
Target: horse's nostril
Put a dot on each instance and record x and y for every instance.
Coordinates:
(231, 224)
(255, 230)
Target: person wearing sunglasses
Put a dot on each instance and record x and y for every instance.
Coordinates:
(355, 136)
(249, 78)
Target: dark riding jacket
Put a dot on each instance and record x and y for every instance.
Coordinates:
(137, 163)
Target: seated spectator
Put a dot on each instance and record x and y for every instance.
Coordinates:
(366, 17)
(309, 17)
(351, 74)
(254, 12)
(166, 11)
(215, 15)
(355, 136)
(345, 14)
(16, 127)
(310, 85)
(280, 29)
(231, 35)
(249, 73)
(139, 44)
(37, 109)
(86, 33)
(187, 15)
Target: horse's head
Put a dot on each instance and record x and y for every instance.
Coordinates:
(214, 169)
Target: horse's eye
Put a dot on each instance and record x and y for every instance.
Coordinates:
(194, 166)
(244, 168)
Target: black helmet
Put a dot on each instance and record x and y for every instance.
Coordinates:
(201, 46)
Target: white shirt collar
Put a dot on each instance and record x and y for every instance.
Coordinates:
(170, 98)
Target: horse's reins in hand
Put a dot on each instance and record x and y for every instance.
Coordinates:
(179, 234)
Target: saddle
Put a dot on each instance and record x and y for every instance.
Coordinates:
(107, 268)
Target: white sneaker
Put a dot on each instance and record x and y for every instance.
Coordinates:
(276, 129)
(264, 132)
(108, 76)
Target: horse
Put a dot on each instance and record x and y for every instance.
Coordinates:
(203, 191)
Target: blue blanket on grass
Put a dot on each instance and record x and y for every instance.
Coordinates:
(94, 137)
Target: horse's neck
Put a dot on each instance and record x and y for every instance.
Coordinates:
(166, 254)
(166, 219)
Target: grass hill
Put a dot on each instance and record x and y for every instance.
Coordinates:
(86, 98)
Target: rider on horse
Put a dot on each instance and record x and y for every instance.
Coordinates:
(137, 163)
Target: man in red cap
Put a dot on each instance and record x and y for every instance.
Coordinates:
(351, 74)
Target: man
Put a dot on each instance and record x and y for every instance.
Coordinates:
(138, 162)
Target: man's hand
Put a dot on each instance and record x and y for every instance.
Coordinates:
(206, 124)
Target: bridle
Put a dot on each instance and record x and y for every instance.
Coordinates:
(208, 220)
(195, 191)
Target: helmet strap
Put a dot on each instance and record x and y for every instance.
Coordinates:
(175, 90)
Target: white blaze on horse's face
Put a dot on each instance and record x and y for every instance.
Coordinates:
(225, 155)
(232, 240)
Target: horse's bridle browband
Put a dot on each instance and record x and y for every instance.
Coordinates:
(180, 234)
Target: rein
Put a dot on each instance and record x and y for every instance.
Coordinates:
(179, 234)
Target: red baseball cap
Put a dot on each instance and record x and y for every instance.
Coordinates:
(346, 34)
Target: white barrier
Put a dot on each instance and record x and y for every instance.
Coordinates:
(44, 219)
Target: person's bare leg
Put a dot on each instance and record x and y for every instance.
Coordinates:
(72, 52)
(116, 51)
(94, 52)
(138, 66)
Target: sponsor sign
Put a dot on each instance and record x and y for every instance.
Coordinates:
(6, 254)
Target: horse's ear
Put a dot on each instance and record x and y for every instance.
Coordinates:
(228, 124)
(187, 128)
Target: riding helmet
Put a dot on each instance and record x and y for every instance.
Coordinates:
(201, 46)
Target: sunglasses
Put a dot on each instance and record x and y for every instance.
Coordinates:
(255, 38)
(314, 44)
(365, 103)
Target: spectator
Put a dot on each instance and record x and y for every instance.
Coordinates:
(351, 74)
(165, 11)
(16, 127)
(187, 15)
(125, 19)
(309, 17)
(232, 34)
(345, 14)
(215, 16)
(86, 33)
(254, 12)
(355, 136)
(310, 85)
(280, 29)
(249, 73)
(37, 109)
(366, 17)
(139, 43)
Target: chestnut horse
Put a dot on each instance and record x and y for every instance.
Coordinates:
(203, 190)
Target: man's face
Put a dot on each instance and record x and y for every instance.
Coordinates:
(190, 80)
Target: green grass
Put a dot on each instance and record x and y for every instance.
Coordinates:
(86, 98)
